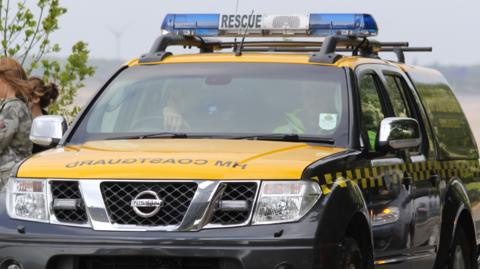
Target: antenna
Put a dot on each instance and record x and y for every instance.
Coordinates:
(240, 48)
(236, 13)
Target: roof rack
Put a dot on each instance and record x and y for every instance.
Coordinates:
(364, 47)
(323, 52)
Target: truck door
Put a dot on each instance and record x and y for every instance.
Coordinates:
(385, 183)
(425, 184)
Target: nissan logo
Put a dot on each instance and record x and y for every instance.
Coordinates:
(147, 204)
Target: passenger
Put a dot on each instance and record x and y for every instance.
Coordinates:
(15, 117)
(41, 96)
(318, 114)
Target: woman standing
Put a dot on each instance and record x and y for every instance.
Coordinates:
(41, 96)
(15, 118)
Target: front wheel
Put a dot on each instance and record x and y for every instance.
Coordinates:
(460, 253)
(351, 257)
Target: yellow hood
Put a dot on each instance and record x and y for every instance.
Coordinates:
(176, 159)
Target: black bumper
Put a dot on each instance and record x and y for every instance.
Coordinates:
(286, 246)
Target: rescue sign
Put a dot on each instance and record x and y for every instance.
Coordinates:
(238, 21)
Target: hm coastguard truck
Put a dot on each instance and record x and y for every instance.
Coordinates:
(253, 153)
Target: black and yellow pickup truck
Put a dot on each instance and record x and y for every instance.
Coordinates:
(253, 152)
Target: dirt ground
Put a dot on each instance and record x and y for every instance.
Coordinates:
(471, 107)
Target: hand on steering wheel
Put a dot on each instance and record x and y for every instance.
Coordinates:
(172, 120)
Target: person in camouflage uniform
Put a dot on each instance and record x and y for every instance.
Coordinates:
(15, 117)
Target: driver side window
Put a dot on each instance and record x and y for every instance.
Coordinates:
(372, 112)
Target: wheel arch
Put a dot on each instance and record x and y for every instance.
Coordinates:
(356, 229)
(465, 221)
(354, 220)
(456, 213)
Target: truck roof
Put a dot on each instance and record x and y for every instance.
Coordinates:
(287, 58)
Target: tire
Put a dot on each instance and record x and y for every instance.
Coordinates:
(351, 257)
(460, 253)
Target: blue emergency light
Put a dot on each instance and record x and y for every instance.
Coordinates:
(319, 25)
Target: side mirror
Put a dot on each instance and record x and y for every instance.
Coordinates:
(398, 133)
(47, 131)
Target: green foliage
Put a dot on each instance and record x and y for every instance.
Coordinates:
(26, 28)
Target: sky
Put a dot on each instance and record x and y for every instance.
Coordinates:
(448, 26)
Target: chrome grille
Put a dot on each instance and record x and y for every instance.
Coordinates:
(68, 190)
(176, 197)
(236, 192)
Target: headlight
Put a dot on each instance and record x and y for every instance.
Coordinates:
(387, 216)
(285, 201)
(27, 199)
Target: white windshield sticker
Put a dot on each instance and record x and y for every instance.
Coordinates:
(327, 121)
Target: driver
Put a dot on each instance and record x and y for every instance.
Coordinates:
(317, 114)
(173, 119)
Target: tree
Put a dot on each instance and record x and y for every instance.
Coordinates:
(25, 33)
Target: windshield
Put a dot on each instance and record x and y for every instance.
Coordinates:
(220, 99)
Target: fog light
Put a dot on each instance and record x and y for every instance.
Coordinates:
(227, 205)
(66, 204)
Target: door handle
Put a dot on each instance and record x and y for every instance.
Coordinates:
(407, 182)
(435, 180)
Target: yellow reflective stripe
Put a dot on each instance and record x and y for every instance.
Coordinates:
(368, 178)
(329, 179)
(358, 174)
(342, 183)
(372, 177)
(340, 180)
(351, 177)
(349, 174)
(364, 183)
(382, 176)
(325, 189)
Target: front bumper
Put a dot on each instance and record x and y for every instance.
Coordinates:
(281, 246)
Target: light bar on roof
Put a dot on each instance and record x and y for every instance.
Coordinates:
(320, 25)
(359, 25)
(192, 24)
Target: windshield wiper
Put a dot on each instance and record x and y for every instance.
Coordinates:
(273, 137)
(152, 135)
(289, 138)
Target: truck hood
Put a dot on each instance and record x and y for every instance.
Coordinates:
(193, 159)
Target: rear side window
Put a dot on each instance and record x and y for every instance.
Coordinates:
(451, 128)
